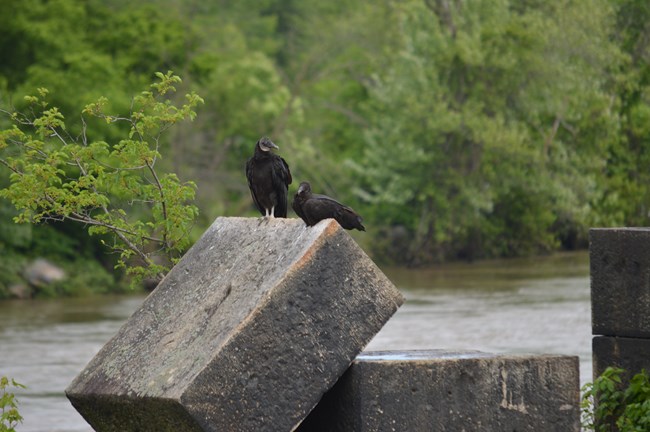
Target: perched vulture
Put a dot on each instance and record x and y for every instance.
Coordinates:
(313, 208)
(268, 179)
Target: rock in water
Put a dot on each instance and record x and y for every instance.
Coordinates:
(41, 272)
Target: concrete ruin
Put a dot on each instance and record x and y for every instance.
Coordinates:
(263, 319)
(245, 333)
(436, 390)
(620, 298)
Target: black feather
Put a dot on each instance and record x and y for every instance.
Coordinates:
(313, 208)
(268, 178)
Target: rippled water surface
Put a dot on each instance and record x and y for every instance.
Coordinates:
(539, 306)
(535, 306)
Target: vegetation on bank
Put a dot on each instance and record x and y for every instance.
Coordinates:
(114, 189)
(457, 129)
(608, 405)
(9, 415)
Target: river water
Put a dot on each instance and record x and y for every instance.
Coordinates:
(537, 305)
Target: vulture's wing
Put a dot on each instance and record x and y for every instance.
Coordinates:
(281, 180)
(297, 207)
(251, 186)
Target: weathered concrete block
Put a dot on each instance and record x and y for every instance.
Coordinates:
(620, 281)
(245, 333)
(631, 354)
(429, 391)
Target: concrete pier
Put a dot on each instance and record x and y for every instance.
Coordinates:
(259, 328)
(246, 332)
(433, 390)
(620, 298)
(620, 281)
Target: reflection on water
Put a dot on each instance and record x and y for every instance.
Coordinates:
(536, 306)
(493, 275)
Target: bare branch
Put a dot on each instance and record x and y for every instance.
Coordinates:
(56, 134)
(108, 213)
(551, 136)
(88, 220)
(84, 127)
(105, 165)
(163, 203)
(5, 163)
(443, 10)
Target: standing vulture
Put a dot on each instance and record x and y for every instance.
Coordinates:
(268, 179)
(313, 208)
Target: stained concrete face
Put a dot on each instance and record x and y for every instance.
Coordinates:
(620, 281)
(620, 301)
(245, 333)
(426, 391)
(631, 354)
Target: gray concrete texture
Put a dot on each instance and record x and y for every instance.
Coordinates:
(631, 354)
(433, 390)
(245, 333)
(620, 281)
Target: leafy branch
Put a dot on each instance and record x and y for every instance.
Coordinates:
(608, 405)
(114, 189)
(9, 415)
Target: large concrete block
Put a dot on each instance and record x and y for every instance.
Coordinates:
(245, 333)
(430, 391)
(620, 281)
(631, 354)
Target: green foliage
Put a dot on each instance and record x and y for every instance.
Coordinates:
(625, 183)
(606, 403)
(476, 127)
(112, 189)
(11, 267)
(9, 415)
(463, 129)
(85, 276)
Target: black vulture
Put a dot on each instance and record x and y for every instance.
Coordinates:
(313, 208)
(268, 179)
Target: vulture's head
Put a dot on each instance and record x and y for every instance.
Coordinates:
(304, 189)
(265, 144)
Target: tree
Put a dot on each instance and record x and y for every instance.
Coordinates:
(624, 183)
(111, 188)
(487, 128)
